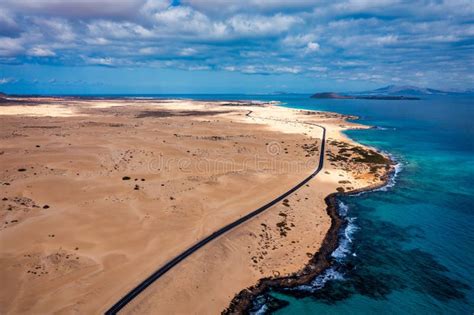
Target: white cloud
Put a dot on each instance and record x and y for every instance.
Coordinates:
(262, 25)
(10, 46)
(41, 52)
(367, 41)
(298, 40)
(97, 41)
(58, 29)
(198, 68)
(186, 21)
(350, 63)
(364, 5)
(229, 7)
(312, 47)
(187, 52)
(118, 30)
(152, 6)
(318, 69)
(285, 69)
(386, 40)
(302, 43)
(250, 36)
(77, 8)
(148, 51)
(107, 61)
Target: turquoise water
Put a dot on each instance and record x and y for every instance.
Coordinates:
(411, 248)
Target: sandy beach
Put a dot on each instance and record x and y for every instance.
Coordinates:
(96, 194)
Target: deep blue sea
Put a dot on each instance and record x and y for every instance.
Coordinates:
(407, 249)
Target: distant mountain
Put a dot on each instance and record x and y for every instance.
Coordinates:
(332, 95)
(405, 90)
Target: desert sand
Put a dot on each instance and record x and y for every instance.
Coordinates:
(97, 194)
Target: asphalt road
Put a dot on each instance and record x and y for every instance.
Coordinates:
(176, 260)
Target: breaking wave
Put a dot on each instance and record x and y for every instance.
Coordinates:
(344, 249)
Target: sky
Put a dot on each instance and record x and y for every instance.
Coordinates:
(242, 46)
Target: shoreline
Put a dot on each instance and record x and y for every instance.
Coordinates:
(242, 300)
(322, 260)
(277, 243)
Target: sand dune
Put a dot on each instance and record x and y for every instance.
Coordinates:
(95, 195)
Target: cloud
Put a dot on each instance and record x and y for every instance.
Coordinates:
(187, 52)
(353, 6)
(199, 68)
(118, 30)
(312, 47)
(232, 7)
(386, 40)
(298, 40)
(76, 8)
(41, 52)
(148, 51)
(101, 61)
(318, 69)
(8, 26)
(262, 25)
(350, 63)
(57, 29)
(184, 21)
(10, 46)
(264, 69)
(336, 39)
(97, 41)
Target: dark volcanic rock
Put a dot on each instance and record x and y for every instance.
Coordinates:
(330, 95)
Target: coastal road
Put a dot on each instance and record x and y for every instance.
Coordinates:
(176, 260)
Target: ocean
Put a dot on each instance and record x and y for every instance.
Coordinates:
(408, 248)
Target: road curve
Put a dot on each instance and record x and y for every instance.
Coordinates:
(176, 260)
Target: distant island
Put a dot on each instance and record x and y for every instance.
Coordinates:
(332, 95)
(390, 92)
(406, 90)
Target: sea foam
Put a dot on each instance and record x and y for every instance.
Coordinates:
(319, 282)
(393, 177)
(345, 244)
(339, 254)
